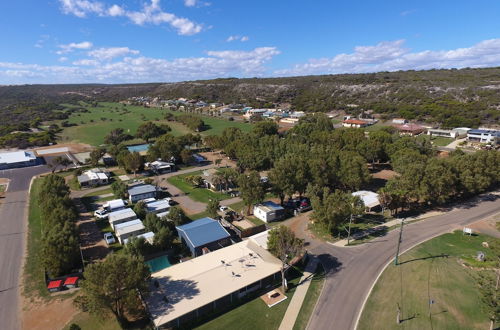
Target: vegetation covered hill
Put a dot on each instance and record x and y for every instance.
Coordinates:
(466, 97)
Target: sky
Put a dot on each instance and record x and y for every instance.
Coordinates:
(135, 41)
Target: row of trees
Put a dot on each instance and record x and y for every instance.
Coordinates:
(192, 122)
(60, 250)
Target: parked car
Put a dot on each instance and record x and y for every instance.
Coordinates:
(223, 208)
(234, 193)
(101, 214)
(109, 238)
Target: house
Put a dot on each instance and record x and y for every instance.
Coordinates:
(269, 211)
(197, 287)
(289, 120)
(149, 237)
(399, 121)
(93, 177)
(354, 123)
(210, 179)
(114, 205)
(108, 160)
(129, 229)
(297, 114)
(370, 199)
(449, 133)
(17, 159)
(159, 167)
(140, 192)
(410, 129)
(121, 216)
(205, 232)
(160, 206)
(254, 113)
(489, 136)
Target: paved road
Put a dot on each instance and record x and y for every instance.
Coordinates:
(352, 271)
(12, 243)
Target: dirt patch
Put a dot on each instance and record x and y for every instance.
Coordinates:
(48, 316)
(244, 224)
(487, 227)
(213, 155)
(73, 147)
(384, 174)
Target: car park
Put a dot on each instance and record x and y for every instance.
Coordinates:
(109, 238)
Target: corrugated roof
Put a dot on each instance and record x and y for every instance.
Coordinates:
(142, 189)
(121, 214)
(269, 206)
(369, 198)
(16, 157)
(203, 231)
(131, 228)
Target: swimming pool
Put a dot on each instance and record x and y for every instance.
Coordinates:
(138, 147)
(157, 264)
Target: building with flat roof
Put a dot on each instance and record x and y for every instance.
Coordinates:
(129, 229)
(355, 123)
(489, 136)
(449, 133)
(140, 192)
(159, 206)
(269, 211)
(199, 286)
(114, 205)
(93, 177)
(17, 159)
(203, 233)
(149, 237)
(121, 216)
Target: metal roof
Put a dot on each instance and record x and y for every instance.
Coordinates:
(16, 157)
(132, 227)
(141, 189)
(484, 131)
(203, 231)
(149, 236)
(369, 198)
(269, 206)
(121, 214)
(128, 223)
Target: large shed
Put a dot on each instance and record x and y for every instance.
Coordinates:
(205, 232)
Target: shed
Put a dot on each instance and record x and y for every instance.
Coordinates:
(54, 286)
(149, 237)
(369, 198)
(205, 232)
(114, 205)
(129, 229)
(140, 192)
(121, 216)
(269, 211)
(160, 206)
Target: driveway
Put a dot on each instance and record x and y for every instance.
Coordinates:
(13, 211)
(352, 271)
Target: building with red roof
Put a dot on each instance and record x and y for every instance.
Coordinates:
(71, 282)
(410, 129)
(54, 286)
(355, 123)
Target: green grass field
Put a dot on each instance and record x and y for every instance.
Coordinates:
(424, 275)
(253, 315)
(87, 321)
(94, 125)
(437, 141)
(198, 194)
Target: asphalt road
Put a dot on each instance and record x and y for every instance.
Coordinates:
(352, 271)
(12, 241)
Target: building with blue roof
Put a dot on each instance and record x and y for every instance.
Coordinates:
(203, 234)
(484, 136)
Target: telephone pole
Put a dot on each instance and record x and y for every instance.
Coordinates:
(399, 241)
(349, 231)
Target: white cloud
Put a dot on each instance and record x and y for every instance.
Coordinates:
(63, 59)
(392, 56)
(112, 52)
(237, 38)
(68, 48)
(144, 69)
(190, 3)
(151, 13)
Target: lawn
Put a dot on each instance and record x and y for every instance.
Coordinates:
(197, 216)
(310, 299)
(438, 141)
(425, 275)
(88, 321)
(93, 126)
(254, 314)
(198, 194)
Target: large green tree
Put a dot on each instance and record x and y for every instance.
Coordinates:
(252, 191)
(150, 130)
(60, 250)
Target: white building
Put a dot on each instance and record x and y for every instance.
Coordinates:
(149, 237)
(114, 205)
(129, 229)
(489, 136)
(269, 211)
(121, 216)
(93, 177)
(369, 198)
(160, 206)
(399, 121)
(17, 159)
(449, 133)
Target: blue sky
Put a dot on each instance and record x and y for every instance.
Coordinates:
(115, 41)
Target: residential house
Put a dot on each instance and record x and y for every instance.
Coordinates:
(449, 133)
(140, 192)
(355, 123)
(399, 121)
(410, 129)
(93, 177)
(121, 216)
(129, 229)
(159, 167)
(159, 206)
(149, 237)
(489, 136)
(198, 287)
(254, 113)
(17, 159)
(269, 211)
(370, 200)
(210, 179)
(114, 205)
(203, 233)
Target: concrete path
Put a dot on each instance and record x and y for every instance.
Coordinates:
(298, 297)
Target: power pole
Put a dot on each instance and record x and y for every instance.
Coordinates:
(399, 241)
(349, 230)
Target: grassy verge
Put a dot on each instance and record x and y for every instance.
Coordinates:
(310, 299)
(88, 321)
(254, 314)
(198, 215)
(198, 194)
(430, 272)
(100, 192)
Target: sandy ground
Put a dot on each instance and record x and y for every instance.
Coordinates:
(213, 155)
(73, 147)
(48, 316)
(384, 174)
(487, 226)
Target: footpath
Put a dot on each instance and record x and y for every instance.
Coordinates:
(298, 297)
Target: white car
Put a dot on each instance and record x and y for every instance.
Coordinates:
(108, 238)
(223, 208)
(101, 214)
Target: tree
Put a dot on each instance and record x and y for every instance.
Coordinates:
(164, 238)
(283, 244)
(119, 189)
(131, 161)
(116, 136)
(212, 207)
(252, 191)
(138, 247)
(150, 130)
(60, 249)
(177, 216)
(96, 155)
(353, 171)
(58, 161)
(186, 156)
(265, 127)
(140, 209)
(114, 284)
